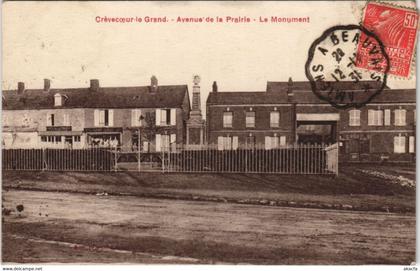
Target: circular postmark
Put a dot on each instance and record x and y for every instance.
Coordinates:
(347, 66)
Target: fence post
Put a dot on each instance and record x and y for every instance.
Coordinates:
(138, 159)
(116, 159)
(337, 153)
(44, 160)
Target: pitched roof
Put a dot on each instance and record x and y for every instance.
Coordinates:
(277, 94)
(257, 97)
(107, 97)
(306, 85)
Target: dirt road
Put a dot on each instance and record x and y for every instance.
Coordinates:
(69, 227)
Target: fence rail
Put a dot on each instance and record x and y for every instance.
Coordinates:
(294, 159)
(58, 159)
(298, 159)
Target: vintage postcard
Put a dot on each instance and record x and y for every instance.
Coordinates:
(262, 133)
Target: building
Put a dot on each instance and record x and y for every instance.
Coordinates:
(288, 113)
(146, 117)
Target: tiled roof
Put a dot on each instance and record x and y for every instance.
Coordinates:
(104, 97)
(277, 94)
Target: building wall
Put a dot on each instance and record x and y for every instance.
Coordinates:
(37, 119)
(262, 123)
(30, 122)
(21, 127)
(375, 143)
(410, 119)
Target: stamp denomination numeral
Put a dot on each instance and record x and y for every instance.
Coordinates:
(410, 20)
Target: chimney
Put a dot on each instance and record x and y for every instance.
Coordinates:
(94, 84)
(214, 86)
(21, 87)
(47, 84)
(153, 83)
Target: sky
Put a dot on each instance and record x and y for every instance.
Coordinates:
(63, 42)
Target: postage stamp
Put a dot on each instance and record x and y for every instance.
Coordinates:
(332, 71)
(397, 29)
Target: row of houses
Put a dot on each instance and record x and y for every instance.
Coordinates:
(152, 118)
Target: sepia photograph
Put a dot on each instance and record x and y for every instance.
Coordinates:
(208, 133)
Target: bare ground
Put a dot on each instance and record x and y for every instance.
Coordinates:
(351, 190)
(74, 227)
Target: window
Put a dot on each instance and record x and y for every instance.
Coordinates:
(58, 100)
(250, 120)
(52, 139)
(227, 143)
(164, 142)
(66, 120)
(50, 120)
(387, 118)
(354, 117)
(76, 138)
(227, 119)
(399, 144)
(104, 117)
(250, 142)
(375, 117)
(283, 141)
(136, 117)
(165, 117)
(411, 144)
(275, 119)
(399, 117)
(273, 142)
(146, 146)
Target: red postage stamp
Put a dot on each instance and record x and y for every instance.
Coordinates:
(397, 29)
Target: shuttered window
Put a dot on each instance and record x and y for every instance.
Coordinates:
(227, 143)
(173, 142)
(165, 142)
(412, 144)
(400, 117)
(354, 117)
(274, 119)
(250, 120)
(165, 117)
(283, 141)
(158, 143)
(227, 119)
(104, 117)
(66, 120)
(375, 117)
(387, 117)
(50, 119)
(136, 117)
(274, 142)
(399, 144)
